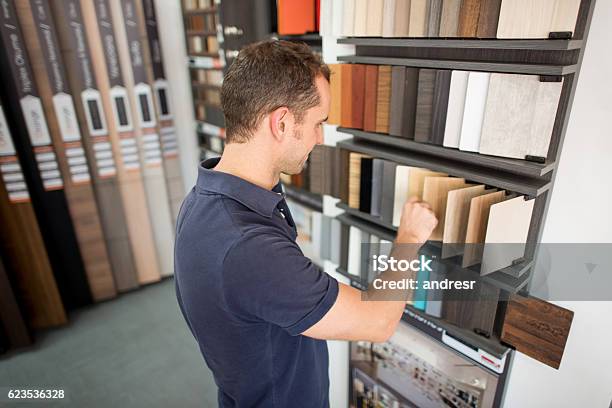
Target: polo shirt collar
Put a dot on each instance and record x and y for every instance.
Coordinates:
(246, 193)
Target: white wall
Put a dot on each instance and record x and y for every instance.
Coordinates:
(171, 33)
(580, 211)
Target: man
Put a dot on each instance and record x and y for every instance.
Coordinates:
(259, 309)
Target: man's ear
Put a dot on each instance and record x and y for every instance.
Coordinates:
(280, 123)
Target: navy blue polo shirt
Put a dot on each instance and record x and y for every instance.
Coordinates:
(247, 291)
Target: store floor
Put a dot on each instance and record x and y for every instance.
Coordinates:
(133, 351)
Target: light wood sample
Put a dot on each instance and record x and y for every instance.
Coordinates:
(519, 116)
(348, 18)
(402, 18)
(525, 18)
(388, 20)
(473, 112)
(564, 16)
(456, 104)
(456, 218)
(537, 328)
(374, 18)
(435, 192)
(361, 15)
(355, 178)
(477, 226)
(383, 99)
(449, 21)
(419, 17)
(335, 109)
(409, 181)
(506, 235)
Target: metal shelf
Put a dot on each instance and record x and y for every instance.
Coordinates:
(512, 68)
(492, 43)
(515, 166)
(517, 183)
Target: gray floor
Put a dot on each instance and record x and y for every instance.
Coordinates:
(133, 351)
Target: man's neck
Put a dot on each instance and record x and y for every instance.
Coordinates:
(250, 163)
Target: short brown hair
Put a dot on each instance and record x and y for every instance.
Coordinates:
(265, 76)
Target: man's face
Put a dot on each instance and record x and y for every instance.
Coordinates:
(308, 133)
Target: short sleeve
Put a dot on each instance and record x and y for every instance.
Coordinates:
(267, 277)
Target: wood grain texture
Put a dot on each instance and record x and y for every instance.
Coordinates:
(348, 18)
(335, 110)
(537, 328)
(105, 181)
(388, 191)
(383, 99)
(13, 325)
(358, 78)
(374, 19)
(424, 110)
(474, 108)
(565, 14)
(435, 192)
(456, 104)
(354, 179)
(402, 19)
(388, 19)
(347, 99)
(147, 137)
(370, 98)
(434, 17)
(506, 234)
(525, 18)
(468, 18)
(404, 89)
(419, 18)
(488, 18)
(361, 15)
(456, 218)
(79, 195)
(440, 106)
(315, 167)
(449, 20)
(477, 226)
(519, 116)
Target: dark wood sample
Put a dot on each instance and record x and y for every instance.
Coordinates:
(370, 99)
(65, 132)
(383, 99)
(315, 169)
(358, 77)
(537, 328)
(424, 109)
(488, 16)
(440, 106)
(342, 174)
(12, 321)
(346, 116)
(97, 144)
(377, 186)
(388, 191)
(31, 139)
(365, 187)
(468, 18)
(404, 88)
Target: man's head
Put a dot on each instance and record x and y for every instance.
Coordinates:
(276, 94)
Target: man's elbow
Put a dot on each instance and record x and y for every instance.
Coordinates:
(385, 331)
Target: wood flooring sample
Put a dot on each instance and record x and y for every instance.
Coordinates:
(474, 108)
(435, 192)
(525, 18)
(488, 18)
(440, 106)
(477, 226)
(383, 98)
(361, 15)
(356, 238)
(388, 19)
(370, 99)
(404, 85)
(347, 98)
(402, 18)
(358, 95)
(456, 103)
(564, 16)
(456, 218)
(423, 121)
(537, 328)
(468, 18)
(449, 21)
(335, 109)
(519, 116)
(409, 181)
(374, 18)
(355, 179)
(506, 234)
(419, 18)
(348, 18)
(435, 14)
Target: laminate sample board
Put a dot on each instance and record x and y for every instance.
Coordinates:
(525, 18)
(388, 19)
(388, 191)
(456, 218)
(365, 189)
(377, 186)
(361, 16)
(48, 69)
(419, 18)
(440, 106)
(131, 60)
(473, 112)
(356, 238)
(12, 322)
(315, 167)
(537, 328)
(165, 114)
(374, 19)
(354, 179)
(22, 246)
(358, 78)
(383, 99)
(295, 17)
(409, 181)
(424, 110)
(335, 109)
(488, 17)
(477, 226)
(565, 15)
(402, 18)
(346, 117)
(370, 98)
(456, 104)
(468, 18)
(434, 17)
(507, 229)
(25, 116)
(404, 88)
(97, 144)
(519, 116)
(348, 18)
(449, 21)
(435, 192)
(344, 246)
